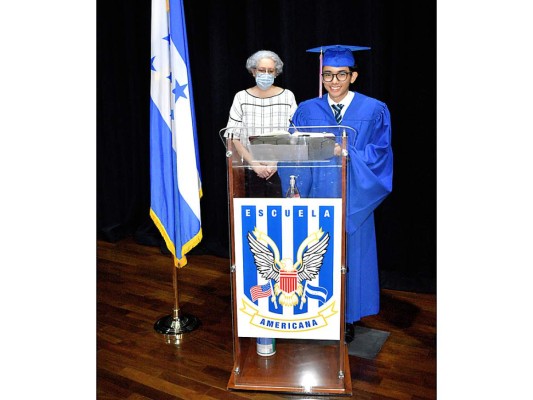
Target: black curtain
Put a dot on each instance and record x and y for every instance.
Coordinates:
(400, 70)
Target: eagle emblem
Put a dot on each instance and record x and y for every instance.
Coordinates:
(288, 275)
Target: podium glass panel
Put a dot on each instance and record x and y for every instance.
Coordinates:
(288, 258)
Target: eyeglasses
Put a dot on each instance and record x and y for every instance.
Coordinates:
(266, 71)
(341, 76)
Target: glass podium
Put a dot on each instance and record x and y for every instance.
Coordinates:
(287, 259)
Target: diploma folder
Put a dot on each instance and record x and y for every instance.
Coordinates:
(298, 146)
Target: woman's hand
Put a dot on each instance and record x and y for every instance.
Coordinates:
(264, 170)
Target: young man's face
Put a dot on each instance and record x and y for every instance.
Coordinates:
(337, 88)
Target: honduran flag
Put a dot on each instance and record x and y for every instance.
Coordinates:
(175, 178)
(316, 292)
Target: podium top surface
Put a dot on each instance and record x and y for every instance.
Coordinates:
(296, 143)
(246, 132)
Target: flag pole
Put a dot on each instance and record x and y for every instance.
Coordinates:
(175, 325)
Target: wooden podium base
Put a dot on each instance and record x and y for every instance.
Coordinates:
(299, 366)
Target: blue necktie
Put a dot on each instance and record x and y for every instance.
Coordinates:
(337, 109)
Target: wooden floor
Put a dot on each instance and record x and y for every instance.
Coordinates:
(134, 290)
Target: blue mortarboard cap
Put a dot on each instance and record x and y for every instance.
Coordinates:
(338, 55)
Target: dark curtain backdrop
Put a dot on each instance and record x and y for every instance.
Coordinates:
(399, 70)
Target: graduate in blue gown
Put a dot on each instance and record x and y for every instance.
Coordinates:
(369, 178)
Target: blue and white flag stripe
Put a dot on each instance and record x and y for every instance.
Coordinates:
(316, 292)
(174, 163)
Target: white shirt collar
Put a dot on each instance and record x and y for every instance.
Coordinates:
(345, 102)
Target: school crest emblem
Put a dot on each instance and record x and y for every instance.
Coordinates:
(288, 267)
(288, 275)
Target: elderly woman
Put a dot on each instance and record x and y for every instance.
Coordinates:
(263, 106)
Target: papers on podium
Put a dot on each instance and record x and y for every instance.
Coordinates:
(298, 146)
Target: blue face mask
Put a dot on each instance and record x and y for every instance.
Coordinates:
(264, 81)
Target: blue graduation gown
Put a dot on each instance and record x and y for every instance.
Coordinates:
(369, 181)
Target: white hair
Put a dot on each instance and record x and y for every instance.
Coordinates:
(254, 59)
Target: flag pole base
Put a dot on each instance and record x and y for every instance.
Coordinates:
(173, 327)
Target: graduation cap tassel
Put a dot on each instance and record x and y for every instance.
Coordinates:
(320, 75)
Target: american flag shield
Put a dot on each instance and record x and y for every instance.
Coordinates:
(260, 291)
(288, 281)
(291, 243)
